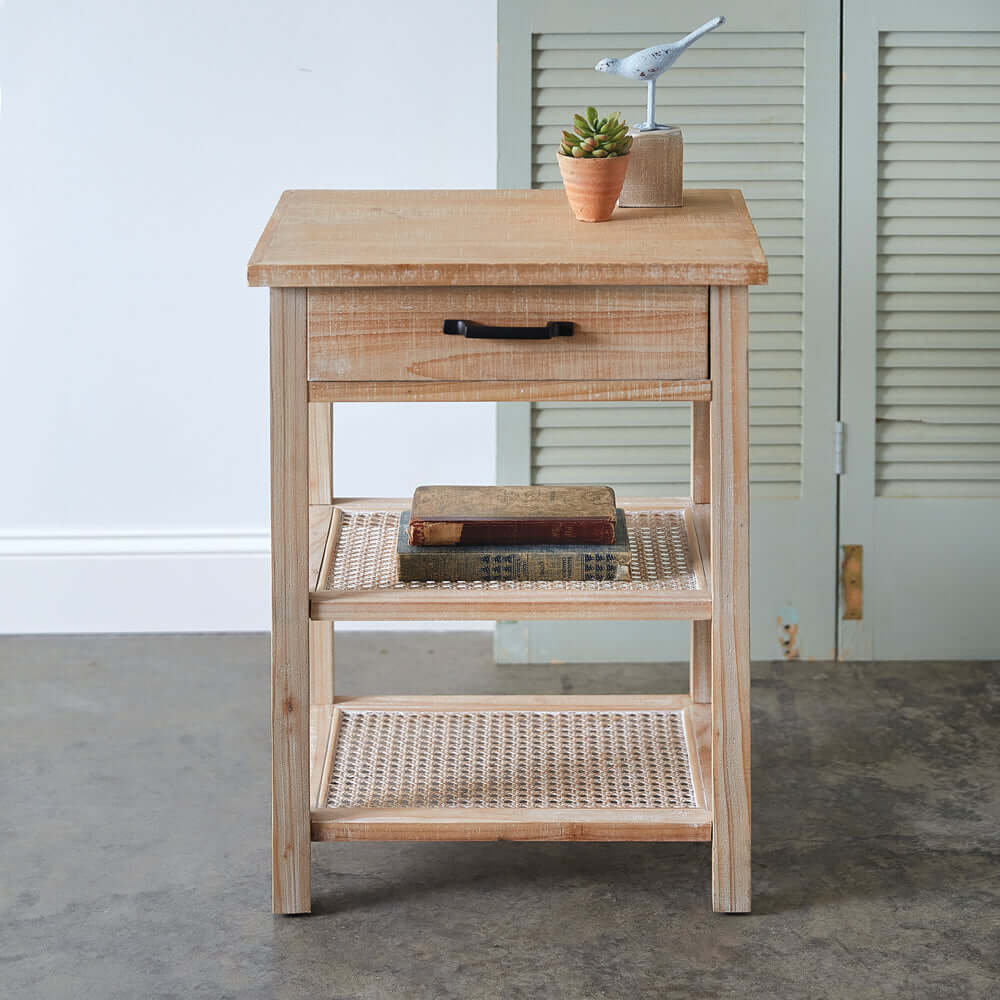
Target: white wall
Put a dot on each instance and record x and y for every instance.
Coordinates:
(142, 147)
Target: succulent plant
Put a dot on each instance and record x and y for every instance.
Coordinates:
(596, 137)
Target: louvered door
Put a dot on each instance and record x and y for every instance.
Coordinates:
(741, 96)
(921, 335)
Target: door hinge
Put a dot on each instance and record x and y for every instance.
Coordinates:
(838, 447)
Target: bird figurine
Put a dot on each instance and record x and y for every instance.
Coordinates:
(648, 64)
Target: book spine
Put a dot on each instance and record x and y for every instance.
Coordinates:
(454, 564)
(587, 531)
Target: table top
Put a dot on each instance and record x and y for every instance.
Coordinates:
(337, 238)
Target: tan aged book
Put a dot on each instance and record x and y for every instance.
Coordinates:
(511, 515)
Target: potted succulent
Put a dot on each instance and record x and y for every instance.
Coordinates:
(593, 159)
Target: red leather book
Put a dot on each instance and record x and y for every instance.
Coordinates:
(507, 515)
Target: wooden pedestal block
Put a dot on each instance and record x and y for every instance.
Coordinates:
(655, 177)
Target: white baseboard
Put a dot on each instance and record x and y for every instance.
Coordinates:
(133, 543)
(76, 582)
(162, 581)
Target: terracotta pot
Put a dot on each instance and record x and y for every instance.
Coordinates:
(592, 186)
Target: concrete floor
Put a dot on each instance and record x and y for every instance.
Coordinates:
(134, 840)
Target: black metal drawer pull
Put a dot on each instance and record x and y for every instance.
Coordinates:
(480, 331)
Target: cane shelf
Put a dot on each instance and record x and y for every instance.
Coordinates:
(353, 574)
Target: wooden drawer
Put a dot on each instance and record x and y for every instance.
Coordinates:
(391, 334)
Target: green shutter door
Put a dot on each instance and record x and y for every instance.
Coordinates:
(740, 95)
(921, 337)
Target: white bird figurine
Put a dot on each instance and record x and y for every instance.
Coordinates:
(650, 63)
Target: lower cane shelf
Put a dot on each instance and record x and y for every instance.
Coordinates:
(599, 768)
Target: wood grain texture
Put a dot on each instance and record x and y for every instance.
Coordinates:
(701, 661)
(321, 666)
(395, 334)
(354, 504)
(470, 605)
(512, 824)
(698, 559)
(702, 795)
(730, 517)
(324, 784)
(320, 722)
(290, 603)
(321, 663)
(322, 672)
(701, 631)
(655, 177)
(702, 517)
(319, 531)
(320, 452)
(330, 549)
(700, 718)
(589, 390)
(406, 238)
(701, 457)
(515, 702)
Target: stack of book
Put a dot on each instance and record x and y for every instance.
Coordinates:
(513, 533)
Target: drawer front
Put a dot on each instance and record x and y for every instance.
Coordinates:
(395, 334)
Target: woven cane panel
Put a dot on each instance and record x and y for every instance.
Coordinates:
(511, 759)
(366, 558)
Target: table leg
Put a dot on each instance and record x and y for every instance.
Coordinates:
(728, 322)
(290, 836)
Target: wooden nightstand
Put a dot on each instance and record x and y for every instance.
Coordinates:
(361, 282)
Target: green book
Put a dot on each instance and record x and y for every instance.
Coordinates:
(574, 561)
